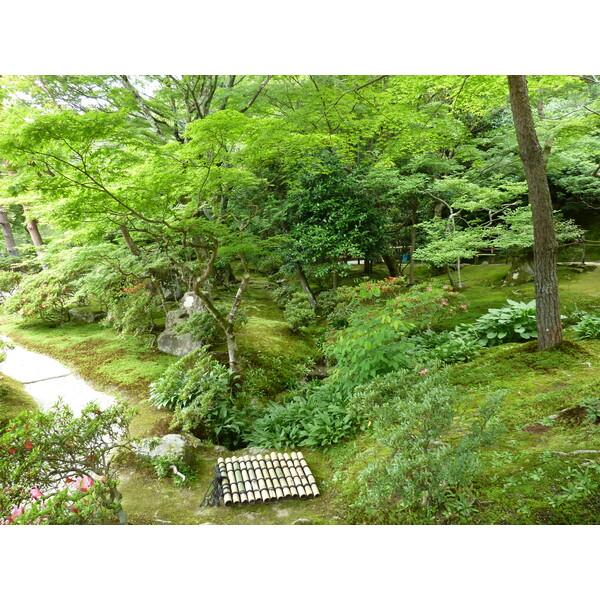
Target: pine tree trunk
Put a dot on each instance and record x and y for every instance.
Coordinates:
(9, 239)
(545, 247)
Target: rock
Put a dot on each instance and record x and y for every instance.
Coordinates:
(85, 316)
(175, 445)
(174, 318)
(302, 522)
(177, 344)
(191, 303)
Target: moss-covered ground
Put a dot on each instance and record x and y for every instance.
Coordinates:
(532, 474)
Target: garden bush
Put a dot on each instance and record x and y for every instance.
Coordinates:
(513, 323)
(587, 326)
(416, 472)
(298, 311)
(193, 387)
(9, 280)
(46, 296)
(318, 418)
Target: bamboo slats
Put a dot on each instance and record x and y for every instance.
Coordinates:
(249, 479)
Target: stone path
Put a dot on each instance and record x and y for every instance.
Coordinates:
(47, 380)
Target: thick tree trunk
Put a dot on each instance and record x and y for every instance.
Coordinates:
(545, 247)
(9, 239)
(392, 265)
(305, 285)
(36, 238)
(368, 267)
(34, 232)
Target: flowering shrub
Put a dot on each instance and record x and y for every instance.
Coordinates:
(57, 468)
(9, 280)
(45, 295)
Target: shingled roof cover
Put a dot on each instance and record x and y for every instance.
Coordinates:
(248, 479)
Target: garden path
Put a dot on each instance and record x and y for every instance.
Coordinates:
(47, 380)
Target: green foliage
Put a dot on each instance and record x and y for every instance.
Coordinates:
(376, 340)
(459, 345)
(203, 327)
(132, 309)
(45, 296)
(282, 294)
(163, 468)
(9, 280)
(513, 323)
(318, 418)
(45, 451)
(588, 326)
(298, 312)
(192, 387)
(418, 476)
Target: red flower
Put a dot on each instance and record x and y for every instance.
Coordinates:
(28, 445)
(12, 450)
(74, 510)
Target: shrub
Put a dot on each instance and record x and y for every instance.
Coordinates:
(193, 387)
(132, 309)
(163, 468)
(9, 280)
(317, 419)
(512, 323)
(298, 311)
(588, 326)
(447, 347)
(67, 460)
(203, 327)
(283, 294)
(414, 473)
(45, 295)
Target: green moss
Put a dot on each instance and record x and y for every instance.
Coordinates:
(13, 399)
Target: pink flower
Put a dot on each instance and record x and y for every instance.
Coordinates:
(36, 494)
(443, 303)
(83, 484)
(423, 371)
(17, 511)
(463, 306)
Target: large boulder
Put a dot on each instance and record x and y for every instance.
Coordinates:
(175, 317)
(79, 315)
(178, 344)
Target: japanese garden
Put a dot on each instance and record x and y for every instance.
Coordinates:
(380, 293)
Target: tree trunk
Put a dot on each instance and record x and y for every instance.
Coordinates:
(368, 268)
(129, 241)
(545, 247)
(305, 285)
(9, 239)
(392, 264)
(36, 238)
(413, 244)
